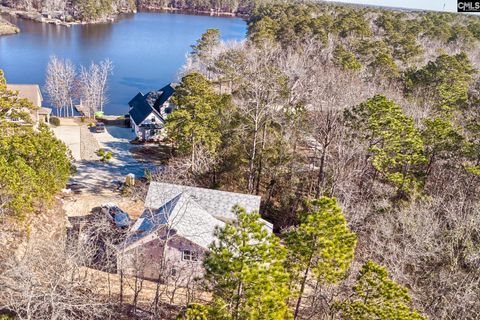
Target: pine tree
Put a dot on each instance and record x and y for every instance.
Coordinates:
(195, 311)
(33, 164)
(196, 120)
(378, 297)
(345, 59)
(445, 81)
(209, 40)
(321, 247)
(245, 270)
(12, 105)
(393, 140)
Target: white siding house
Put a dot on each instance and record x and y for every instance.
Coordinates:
(148, 113)
(150, 128)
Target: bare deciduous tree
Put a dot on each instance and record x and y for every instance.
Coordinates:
(46, 280)
(60, 84)
(93, 86)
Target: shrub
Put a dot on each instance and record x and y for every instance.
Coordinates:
(108, 156)
(104, 155)
(55, 121)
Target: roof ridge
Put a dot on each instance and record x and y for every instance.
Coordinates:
(211, 190)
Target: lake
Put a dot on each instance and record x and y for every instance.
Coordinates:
(147, 49)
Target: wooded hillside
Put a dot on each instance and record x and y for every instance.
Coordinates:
(70, 10)
(360, 130)
(376, 108)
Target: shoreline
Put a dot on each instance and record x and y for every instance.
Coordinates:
(38, 17)
(7, 28)
(211, 12)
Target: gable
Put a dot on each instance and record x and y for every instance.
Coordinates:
(148, 119)
(139, 109)
(182, 216)
(141, 106)
(166, 93)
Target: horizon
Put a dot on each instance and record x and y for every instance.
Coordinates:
(428, 5)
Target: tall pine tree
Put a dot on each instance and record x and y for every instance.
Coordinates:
(196, 121)
(320, 248)
(245, 269)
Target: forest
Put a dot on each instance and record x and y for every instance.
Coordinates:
(360, 130)
(377, 109)
(102, 10)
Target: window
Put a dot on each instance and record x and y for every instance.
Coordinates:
(173, 272)
(153, 119)
(189, 255)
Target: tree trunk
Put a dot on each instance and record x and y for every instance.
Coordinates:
(321, 172)
(302, 288)
(260, 165)
(192, 166)
(121, 287)
(251, 165)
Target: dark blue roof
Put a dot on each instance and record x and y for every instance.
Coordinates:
(139, 108)
(142, 105)
(167, 92)
(136, 99)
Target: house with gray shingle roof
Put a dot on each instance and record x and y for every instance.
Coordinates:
(148, 112)
(177, 228)
(32, 93)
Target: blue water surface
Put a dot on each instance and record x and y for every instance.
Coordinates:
(147, 49)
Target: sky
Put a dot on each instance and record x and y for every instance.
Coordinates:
(437, 5)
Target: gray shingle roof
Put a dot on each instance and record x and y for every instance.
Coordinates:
(191, 212)
(183, 216)
(31, 92)
(217, 203)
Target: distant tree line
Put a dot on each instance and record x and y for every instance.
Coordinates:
(206, 6)
(69, 10)
(385, 42)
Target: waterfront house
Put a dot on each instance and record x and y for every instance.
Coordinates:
(32, 93)
(176, 229)
(148, 112)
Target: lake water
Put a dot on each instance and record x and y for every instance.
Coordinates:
(147, 49)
